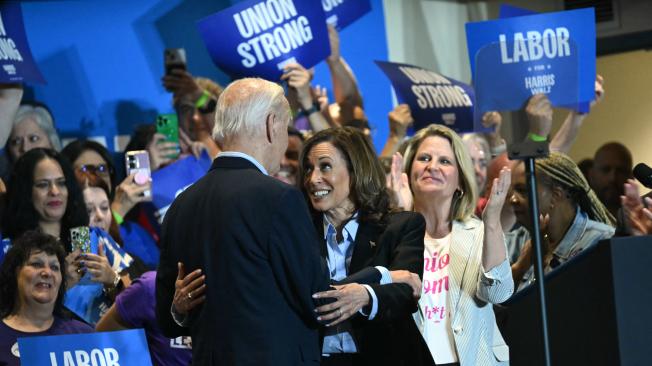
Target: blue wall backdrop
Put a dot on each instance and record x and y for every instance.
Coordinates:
(103, 61)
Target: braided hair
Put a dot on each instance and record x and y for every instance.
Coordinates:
(561, 171)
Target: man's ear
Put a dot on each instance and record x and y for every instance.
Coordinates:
(269, 127)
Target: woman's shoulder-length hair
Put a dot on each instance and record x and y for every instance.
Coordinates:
(366, 175)
(22, 248)
(464, 203)
(20, 214)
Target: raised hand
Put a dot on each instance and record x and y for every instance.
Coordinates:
(99, 267)
(161, 151)
(129, 193)
(499, 190)
(183, 85)
(73, 270)
(495, 120)
(334, 41)
(639, 218)
(399, 184)
(539, 114)
(321, 95)
(400, 119)
(298, 77)
(599, 90)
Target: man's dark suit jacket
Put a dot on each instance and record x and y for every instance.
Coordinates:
(392, 337)
(253, 239)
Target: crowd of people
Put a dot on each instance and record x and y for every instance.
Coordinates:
(301, 244)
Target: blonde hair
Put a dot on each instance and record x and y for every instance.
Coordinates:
(210, 86)
(463, 204)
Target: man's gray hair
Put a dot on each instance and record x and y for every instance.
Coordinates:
(43, 119)
(480, 141)
(244, 105)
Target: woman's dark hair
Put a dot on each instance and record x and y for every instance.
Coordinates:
(20, 214)
(22, 248)
(77, 147)
(367, 178)
(92, 180)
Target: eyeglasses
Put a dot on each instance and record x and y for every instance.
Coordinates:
(101, 169)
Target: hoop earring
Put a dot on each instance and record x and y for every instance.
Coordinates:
(459, 193)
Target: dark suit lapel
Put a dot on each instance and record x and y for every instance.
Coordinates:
(365, 246)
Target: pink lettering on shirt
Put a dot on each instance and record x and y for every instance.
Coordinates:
(435, 286)
(435, 263)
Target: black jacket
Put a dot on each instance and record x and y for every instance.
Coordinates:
(253, 238)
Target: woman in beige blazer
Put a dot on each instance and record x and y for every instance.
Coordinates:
(466, 269)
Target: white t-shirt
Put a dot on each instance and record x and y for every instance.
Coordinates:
(433, 317)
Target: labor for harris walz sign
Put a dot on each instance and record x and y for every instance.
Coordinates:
(127, 347)
(16, 61)
(432, 98)
(258, 38)
(341, 13)
(515, 58)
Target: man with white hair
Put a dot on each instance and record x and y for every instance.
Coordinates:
(253, 239)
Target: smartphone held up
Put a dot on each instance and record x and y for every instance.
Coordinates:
(137, 163)
(174, 58)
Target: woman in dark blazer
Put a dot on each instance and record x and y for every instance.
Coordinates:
(368, 324)
(344, 183)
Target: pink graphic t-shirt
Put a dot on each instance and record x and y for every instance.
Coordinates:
(433, 317)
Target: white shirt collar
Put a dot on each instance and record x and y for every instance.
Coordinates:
(239, 154)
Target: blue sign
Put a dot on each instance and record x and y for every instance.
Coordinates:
(15, 56)
(509, 11)
(515, 58)
(87, 299)
(258, 38)
(169, 181)
(126, 347)
(432, 98)
(341, 13)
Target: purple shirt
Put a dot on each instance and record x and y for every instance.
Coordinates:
(9, 355)
(136, 306)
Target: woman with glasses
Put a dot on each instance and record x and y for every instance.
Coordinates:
(43, 195)
(89, 157)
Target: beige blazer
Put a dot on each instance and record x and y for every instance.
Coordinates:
(472, 295)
